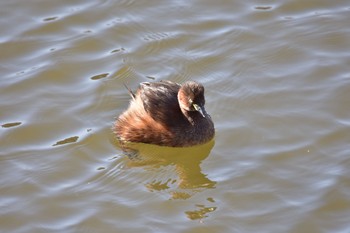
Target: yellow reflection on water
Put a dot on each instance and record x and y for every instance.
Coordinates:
(186, 162)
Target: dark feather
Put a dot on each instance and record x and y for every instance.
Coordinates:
(161, 95)
(130, 91)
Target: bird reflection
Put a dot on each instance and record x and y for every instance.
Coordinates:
(178, 169)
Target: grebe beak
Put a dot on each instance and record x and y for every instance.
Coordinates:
(198, 109)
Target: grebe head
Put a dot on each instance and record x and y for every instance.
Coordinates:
(191, 99)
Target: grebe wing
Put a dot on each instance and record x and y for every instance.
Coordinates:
(160, 100)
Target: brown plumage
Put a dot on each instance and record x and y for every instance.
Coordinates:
(167, 114)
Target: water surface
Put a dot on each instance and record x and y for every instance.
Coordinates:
(277, 85)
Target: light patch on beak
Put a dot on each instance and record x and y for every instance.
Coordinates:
(198, 109)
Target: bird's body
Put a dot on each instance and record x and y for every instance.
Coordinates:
(167, 114)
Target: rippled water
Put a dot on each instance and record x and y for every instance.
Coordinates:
(277, 82)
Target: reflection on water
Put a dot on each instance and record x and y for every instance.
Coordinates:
(67, 140)
(178, 171)
(12, 124)
(202, 212)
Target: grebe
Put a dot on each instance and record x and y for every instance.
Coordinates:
(166, 114)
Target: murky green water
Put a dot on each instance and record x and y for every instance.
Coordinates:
(277, 82)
